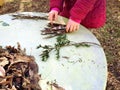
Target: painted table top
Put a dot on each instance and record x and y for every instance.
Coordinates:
(89, 68)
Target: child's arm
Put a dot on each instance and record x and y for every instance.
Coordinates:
(81, 9)
(56, 4)
(78, 13)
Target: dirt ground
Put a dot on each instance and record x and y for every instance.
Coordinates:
(109, 35)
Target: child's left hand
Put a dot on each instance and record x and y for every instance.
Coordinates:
(72, 26)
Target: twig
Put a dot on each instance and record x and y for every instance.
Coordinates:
(22, 16)
(54, 30)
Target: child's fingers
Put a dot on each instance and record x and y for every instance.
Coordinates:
(53, 15)
(77, 27)
(72, 27)
(67, 28)
(50, 18)
(56, 16)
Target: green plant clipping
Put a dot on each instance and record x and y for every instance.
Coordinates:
(61, 41)
(45, 53)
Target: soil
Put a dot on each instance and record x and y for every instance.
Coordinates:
(109, 35)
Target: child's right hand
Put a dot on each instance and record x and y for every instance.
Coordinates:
(53, 15)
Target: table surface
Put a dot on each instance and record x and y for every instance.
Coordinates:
(89, 73)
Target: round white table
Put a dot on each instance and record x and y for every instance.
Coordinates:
(89, 70)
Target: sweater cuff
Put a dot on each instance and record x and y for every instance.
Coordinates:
(56, 9)
(76, 20)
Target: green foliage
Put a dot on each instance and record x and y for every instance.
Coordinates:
(62, 41)
(46, 51)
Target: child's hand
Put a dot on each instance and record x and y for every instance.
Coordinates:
(53, 15)
(72, 26)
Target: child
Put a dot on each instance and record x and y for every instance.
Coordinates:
(89, 13)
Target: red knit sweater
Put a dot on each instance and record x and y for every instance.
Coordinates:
(90, 13)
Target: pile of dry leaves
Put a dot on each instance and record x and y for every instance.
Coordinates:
(21, 70)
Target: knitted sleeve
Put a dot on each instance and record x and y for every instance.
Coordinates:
(56, 4)
(81, 9)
